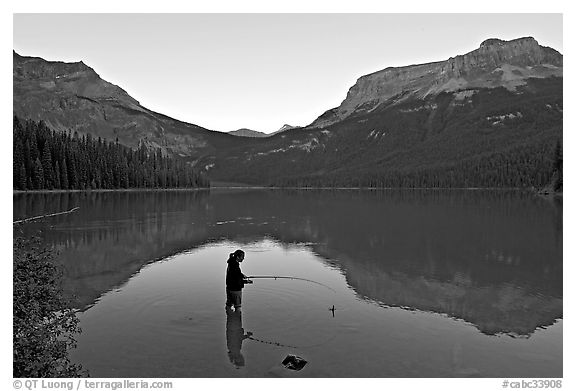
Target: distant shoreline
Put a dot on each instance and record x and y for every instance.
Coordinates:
(54, 191)
(261, 187)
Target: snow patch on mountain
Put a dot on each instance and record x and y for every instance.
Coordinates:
(498, 119)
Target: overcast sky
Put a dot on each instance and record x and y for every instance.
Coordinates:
(259, 71)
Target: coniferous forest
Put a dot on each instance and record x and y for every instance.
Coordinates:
(46, 159)
(533, 166)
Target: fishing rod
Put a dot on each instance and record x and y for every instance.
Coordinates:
(293, 278)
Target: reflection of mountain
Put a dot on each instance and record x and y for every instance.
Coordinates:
(477, 257)
(491, 258)
(113, 235)
(502, 308)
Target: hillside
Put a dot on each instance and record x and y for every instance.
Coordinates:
(488, 118)
(72, 96)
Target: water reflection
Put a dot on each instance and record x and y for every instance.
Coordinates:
(235, 336)
(493, 259)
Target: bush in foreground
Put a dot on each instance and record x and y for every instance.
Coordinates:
(44, 325)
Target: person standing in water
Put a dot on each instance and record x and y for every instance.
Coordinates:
(235, 280)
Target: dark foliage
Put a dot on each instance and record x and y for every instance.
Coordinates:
(526, 166)
(45, 159)
(493, 138)
(44, 325)
(557, 183)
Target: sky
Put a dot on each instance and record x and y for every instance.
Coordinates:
(259, 71)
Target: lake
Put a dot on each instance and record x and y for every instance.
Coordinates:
(423, 283)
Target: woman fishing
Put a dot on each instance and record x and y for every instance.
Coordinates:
(235, 280)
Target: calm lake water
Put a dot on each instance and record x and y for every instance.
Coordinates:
(424, 283)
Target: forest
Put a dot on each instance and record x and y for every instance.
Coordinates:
(44, 159)
(526, 166)
(497, 139)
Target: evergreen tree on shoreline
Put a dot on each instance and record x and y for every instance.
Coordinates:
(46, 159)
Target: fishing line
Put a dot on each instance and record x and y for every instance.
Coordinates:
(272, 343)
(332, 337)
(281, 344)
(293, 278)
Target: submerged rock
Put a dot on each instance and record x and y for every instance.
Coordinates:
(293, 362)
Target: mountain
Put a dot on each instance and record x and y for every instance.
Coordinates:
(243, 132)
(285, 127)
(488, 118)
(495, 63)
(253, 133)
(72, 96)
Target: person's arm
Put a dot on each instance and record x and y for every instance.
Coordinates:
(236, 274)
(245, 279)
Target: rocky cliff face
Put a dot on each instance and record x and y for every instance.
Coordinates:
(74, 78)
(73, 97)
(496, 63)
(286, 127)
(244, 132)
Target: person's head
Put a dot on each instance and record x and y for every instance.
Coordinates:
(238, 255)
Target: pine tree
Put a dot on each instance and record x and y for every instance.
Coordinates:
(22, 177)
(558, 163)
(44, 158)
(64, 175)
(34, 154)
(38, 175)
(72, 175)
(47, 167)
(17, 160)
(57, 181)
(558, 156)
(27, 156)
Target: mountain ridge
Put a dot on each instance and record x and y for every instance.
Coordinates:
(394, 124)
(512, 61)
(496, 127)
(245, 132)
(73, 97)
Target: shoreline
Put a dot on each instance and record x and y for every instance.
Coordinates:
(55, 191)
(261, 187)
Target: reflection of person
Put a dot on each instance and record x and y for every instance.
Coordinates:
(235, 280)
(234, 336)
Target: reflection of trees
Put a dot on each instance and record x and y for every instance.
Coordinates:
(113, 235)
(491, 258)
(498, 308)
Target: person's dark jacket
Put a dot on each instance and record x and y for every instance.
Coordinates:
(234, 276)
